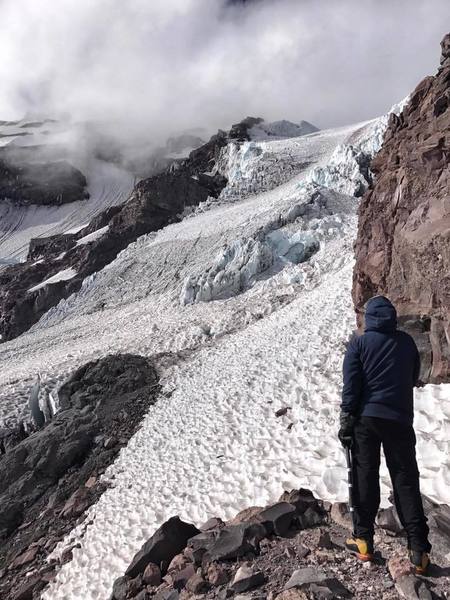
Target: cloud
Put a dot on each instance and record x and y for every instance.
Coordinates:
(160, 66)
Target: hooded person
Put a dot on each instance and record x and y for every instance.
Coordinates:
(381, 368)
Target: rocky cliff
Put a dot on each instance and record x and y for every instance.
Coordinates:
(403, 242)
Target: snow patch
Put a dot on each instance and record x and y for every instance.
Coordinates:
(91, 237)
(63, 275)
(280, 130)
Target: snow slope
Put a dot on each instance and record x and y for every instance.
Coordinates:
(273, 338)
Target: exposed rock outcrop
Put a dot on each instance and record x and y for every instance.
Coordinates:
(50, 478)
(44, 183)
(403, 243)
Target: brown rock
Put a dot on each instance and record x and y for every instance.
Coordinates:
(213, 523)
(246, 578)
(152, 575)
(399, 567)
(76, 504)
(180, 578)
(24, 558)
(217, 575)
(178, 562)
(403, 242)
(135, 585)
(248, 515)
(197, 585)
(302, 499)
(340, 515)
(90, 482)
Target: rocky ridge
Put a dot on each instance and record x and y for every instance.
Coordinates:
(291, 550)
(403, 242)
(51, 477)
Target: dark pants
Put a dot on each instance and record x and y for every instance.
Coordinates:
(399, 443)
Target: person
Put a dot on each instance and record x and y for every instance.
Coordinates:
(380, 369)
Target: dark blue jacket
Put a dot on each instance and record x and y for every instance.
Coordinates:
(381, 367)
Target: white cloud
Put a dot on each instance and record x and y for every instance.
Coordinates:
(162, 65)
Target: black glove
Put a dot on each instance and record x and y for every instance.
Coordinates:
(345, 434)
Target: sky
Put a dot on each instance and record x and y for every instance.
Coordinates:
(157, 67)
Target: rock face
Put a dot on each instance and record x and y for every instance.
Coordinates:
(155, 202)
(52, 476)
(403, 243)
(44, 183)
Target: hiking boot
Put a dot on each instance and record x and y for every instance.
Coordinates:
(420, 561)
(362, 549)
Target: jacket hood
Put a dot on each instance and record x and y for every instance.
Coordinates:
(380, 315)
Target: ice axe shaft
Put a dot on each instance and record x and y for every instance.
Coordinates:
(351, 508)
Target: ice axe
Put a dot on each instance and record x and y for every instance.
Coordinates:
(351, 508)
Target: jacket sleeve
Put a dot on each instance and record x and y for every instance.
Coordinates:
(352, 378)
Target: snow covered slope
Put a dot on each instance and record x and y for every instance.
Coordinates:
(249, 325)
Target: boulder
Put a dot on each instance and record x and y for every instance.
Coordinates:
(302, 499)
(248, 515)
(32, 584)
(246, 578)
(152, 575)
(278, 518)
(331, 589)
(120, 588)
(77, 503)
(399, 566)
(166, 594)
(168, 541)
(180, 578)
(178, 563)
(217, 575)
(235, 541)
(305, 576)
(412, 588)
(310, 518)
(387, 519)
(197, 585)
(340, 514)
